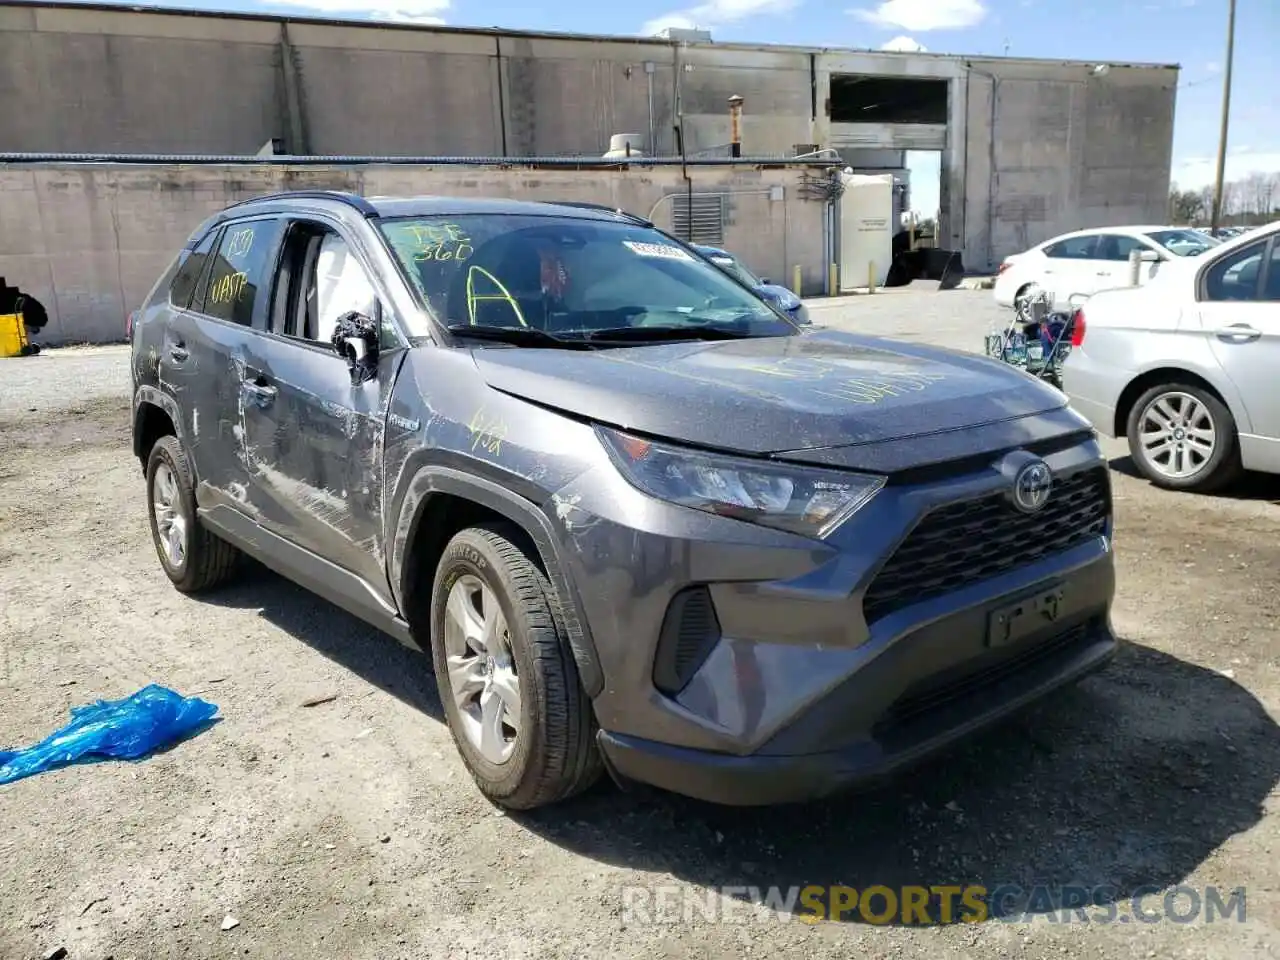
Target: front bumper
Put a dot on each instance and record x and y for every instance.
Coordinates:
(793, 671)
(962, 710)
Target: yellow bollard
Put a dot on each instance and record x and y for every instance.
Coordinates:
(871, 277)
(833, 279)
(796, 277)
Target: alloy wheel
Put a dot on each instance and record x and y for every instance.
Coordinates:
(482, 671)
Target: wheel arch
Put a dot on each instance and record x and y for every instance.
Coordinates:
(155, 415)
(438, 502)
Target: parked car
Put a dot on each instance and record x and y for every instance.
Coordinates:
(1087, 261)
(780, 297)
(636, 519)
(1185, 367)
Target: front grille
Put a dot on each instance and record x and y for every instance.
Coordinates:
(965, 543)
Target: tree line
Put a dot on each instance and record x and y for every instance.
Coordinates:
(1251, 201)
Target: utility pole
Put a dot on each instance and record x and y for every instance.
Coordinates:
(1226, 114)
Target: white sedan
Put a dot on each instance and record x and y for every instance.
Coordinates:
(1186, 367)
(1087, 261)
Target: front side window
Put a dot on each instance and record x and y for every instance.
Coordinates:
(1073, 248)
(566, 276)
(241, 268)
(1114, 246)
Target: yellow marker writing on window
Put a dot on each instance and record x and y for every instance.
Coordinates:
(503, 295)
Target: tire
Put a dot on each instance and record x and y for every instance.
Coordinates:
(1215, 470)
(553, 754)
(206, 560)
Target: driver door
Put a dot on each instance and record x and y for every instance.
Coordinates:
(313, 442)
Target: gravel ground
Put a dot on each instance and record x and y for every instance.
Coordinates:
(351, 830)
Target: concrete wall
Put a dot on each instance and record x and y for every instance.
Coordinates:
(1031, 147)
(89, 240)
(1063, 152)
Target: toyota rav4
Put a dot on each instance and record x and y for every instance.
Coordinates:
(640, 521)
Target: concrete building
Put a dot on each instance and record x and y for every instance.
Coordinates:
(1029, 148)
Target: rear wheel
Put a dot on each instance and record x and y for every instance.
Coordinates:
(193, 558)
(507, 678)
(1182, 437)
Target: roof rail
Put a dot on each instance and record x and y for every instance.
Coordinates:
(353, 200)
(604, 207)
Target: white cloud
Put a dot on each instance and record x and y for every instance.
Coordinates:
(715, 13)
(905, 45)
(922, 15)
(398, 11)
(1192, 173)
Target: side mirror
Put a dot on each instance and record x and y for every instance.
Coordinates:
(355, 339)
(766, 280)
(1149, 256)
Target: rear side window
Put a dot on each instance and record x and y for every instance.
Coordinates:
(188, 276)
(1073, 248)
(241, 268)
(1235, 277)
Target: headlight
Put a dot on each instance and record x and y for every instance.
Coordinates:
(797, 499)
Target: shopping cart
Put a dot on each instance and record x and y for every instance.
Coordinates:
(1038, 338)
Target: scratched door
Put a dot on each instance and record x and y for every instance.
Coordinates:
(314, 442)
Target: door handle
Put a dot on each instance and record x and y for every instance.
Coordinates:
(1239, 333)
(259, 391)
(178, 352)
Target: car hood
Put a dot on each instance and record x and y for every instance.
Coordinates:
(772, 395)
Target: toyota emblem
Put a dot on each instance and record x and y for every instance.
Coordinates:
(1031, 486)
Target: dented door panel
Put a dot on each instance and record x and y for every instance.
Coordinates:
(313, 449)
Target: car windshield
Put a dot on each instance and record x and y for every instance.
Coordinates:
(568, 277)
(735, 268)
(1184, 243)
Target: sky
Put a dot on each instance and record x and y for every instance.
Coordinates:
(1190, 33)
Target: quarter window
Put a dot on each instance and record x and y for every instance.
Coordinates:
(240, 267)
(188, 275)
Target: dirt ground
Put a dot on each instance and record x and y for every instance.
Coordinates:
(351, 830)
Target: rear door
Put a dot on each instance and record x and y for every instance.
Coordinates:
(205, 349)
(1239, 296)
(313, 441)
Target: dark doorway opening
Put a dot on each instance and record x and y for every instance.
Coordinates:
(862, 99)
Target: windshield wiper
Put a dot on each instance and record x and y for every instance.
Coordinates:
(530, 336)
(674, 332)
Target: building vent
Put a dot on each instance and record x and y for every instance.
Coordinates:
(704, 223)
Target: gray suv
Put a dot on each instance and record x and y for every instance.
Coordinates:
(640, 520)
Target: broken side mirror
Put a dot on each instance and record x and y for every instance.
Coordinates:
(355, 339)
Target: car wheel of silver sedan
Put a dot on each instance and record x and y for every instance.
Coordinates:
(1183, 437)
(506, 674)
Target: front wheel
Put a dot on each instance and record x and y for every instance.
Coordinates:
(1182, 437)
(507, 678)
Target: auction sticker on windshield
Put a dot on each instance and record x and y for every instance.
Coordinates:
(656, 250)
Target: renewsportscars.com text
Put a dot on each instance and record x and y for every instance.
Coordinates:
(931, 905)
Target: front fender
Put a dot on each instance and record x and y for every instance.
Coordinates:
(432, 478)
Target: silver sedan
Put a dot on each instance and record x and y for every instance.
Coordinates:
(1187, 366)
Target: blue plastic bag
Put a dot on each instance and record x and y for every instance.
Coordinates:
(126, 729)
